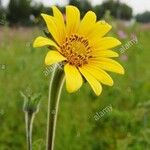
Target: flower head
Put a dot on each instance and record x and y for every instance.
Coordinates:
(81, 45)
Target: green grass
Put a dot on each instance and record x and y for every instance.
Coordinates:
(125, 128)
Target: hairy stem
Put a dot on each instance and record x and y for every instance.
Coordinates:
(55, 88)
(29, 117)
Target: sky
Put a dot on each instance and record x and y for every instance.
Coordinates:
(138, 6)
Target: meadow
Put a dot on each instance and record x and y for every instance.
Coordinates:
(125, 127)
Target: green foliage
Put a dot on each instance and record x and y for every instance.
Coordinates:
(125, 12)
(37, 9)
(2, 15)
(117, 9)
(75, 3)
(99, 11)
(83, 6)
(144, 17)
(19, 12)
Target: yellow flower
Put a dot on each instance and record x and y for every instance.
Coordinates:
(83, 48)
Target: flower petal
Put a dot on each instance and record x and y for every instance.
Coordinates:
(53, 57)
(87, 23)
(52, 27)
(58, 15)
(60, 23)
(105, 43)
(73, 78)
(41, 41)
(72, 19)
(105, 53)
(96, 86)
(108, 65)
(99, 74)
(99, 30)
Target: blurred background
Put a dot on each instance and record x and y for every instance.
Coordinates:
(117, 120)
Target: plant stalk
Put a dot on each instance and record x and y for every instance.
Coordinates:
(55, 89)
(29, 117)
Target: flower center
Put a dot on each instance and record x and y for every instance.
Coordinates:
(77, 50)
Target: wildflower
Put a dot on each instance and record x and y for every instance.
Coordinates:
(122, 34)
(81, 45)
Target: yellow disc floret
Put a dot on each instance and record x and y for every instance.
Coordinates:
(77, 50)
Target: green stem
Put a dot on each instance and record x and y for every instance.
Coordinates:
(55, 88)
(29, 125)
